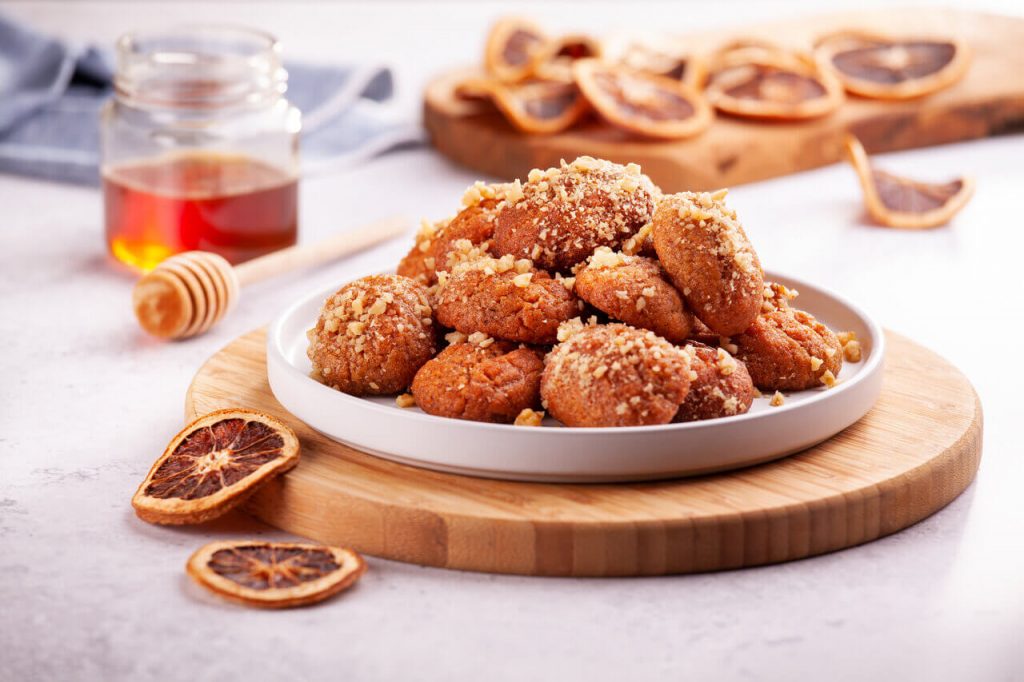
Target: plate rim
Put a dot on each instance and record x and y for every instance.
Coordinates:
(872, 364)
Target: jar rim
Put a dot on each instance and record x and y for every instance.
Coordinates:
(199, 66)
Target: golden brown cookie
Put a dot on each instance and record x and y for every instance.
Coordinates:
(481, 379)
(504, 298)
(565, 213)
(709, 258)
(788, 350)
(614, 375)
(373, 335)
(634, 290)
(435, 241)
(722, 387)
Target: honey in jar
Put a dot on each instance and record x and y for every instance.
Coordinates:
(200, 147)
(233, 205)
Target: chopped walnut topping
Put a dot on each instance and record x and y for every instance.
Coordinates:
(477, 192)
(568, 328)
(529, 417)
(635, 244)
(600, 371)
(513, 192)
(455, 337)
(604, 257)
(726, 363)
(523, 280)
(828, 379)
(851, 351)
(405, 400)
(480, 339)
(641, 303)
(567, 282)
(777, 399)
(816, 363)
(846, 337)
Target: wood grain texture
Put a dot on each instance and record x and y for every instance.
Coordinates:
(916, 450)
(989, 100)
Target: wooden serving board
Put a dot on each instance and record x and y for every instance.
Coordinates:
(989, 100)
(913, 453)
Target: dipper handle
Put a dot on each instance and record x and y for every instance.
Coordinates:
(300, 257)
(188, 293)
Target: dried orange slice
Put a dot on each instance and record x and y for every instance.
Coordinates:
(274, 574)
(213, 465)
(541, 107)
(747, 48)
(642, 103)
(665, 61)
(753, 81)
(511, 46)
(900, 202)
(553, 61)
(882, 67)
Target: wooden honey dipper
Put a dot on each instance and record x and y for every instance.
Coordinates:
(189, 293)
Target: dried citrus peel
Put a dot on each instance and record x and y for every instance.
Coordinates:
(899, 202)
(511, 46)
(642, 103)
(665, 61)
(213, 465)
(882, 67)
(553, 61)
(754, 82)
(274, 574)
(541, 107)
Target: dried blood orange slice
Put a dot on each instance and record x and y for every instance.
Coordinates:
(762, 83)
(900, 202)
(511, 46)
(541, 107)
(213, 465)
(665, 61)
(882, 67)
(274, 574)
(553, 61)
(642, 103)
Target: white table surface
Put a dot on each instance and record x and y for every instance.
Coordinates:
(89, 592)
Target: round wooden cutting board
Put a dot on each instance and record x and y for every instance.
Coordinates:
(987, 101)
(913, 453)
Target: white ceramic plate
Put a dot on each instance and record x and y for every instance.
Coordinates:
(555, 453)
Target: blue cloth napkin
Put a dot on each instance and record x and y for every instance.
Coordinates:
(51, 94)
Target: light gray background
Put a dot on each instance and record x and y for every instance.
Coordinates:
(87, 402)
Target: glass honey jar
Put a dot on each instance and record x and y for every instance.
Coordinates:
(199, 147)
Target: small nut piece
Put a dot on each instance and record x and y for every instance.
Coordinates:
(529, 417)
